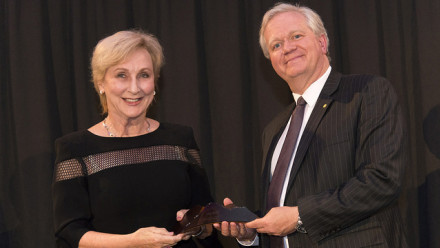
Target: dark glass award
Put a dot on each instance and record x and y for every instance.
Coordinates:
(213, 213)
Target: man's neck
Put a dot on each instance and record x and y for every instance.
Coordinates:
(300, 84)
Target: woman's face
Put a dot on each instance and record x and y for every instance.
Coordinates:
(129, 86)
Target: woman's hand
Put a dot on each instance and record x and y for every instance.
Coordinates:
(155, 237)
(147, 237)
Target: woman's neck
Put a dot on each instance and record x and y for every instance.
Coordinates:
(116, 127)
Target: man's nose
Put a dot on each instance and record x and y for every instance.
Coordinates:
(289, 46)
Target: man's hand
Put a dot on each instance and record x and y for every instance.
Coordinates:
(234, 229)
(279, 221)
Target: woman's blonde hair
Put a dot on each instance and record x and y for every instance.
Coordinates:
(114, 49)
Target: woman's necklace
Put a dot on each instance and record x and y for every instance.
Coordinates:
(107, 127)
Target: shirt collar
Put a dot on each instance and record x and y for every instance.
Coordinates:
(312, 93)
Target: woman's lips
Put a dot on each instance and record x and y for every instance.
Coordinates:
(132, 101)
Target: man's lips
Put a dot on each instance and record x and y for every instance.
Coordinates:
(292, 59)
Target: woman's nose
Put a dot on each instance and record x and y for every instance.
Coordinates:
(133, 87)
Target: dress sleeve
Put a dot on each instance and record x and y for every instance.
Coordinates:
(200, 190)
(70, 197)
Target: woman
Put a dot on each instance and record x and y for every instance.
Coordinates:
(121, 182)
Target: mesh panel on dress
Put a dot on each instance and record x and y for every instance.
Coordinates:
(98, 162)
(68, 169)
(194, 156)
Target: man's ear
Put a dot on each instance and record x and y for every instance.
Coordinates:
(323, 43)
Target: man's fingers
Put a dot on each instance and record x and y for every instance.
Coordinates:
(260, 225)
(229, 229)
(225, 229)
(227, 201)
(217, 226)
(257, 223)
(235, 229)
(243, 230)
(180, 214)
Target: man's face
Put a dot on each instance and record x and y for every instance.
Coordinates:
(294, 50)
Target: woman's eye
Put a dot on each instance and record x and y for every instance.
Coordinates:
(121, 75)
(295, 37)
(277, 45)
(144, 75)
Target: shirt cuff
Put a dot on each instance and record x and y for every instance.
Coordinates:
(254, 242)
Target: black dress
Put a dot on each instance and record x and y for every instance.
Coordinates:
(118, 185)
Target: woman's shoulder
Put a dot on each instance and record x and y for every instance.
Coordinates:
(70, 144)
(177, 133)
(72, 138)
(175, 128)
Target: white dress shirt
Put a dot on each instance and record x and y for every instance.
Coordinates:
(311, 97)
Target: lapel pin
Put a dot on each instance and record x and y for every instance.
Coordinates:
(324, 106)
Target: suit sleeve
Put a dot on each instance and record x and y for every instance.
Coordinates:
(377, 168)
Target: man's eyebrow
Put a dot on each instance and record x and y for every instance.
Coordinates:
(277, 38)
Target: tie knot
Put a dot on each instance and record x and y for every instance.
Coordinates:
(301, 101)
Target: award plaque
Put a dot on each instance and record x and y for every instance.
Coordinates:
(213, 213)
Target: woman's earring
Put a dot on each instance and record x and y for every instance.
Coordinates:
(154, 93)
(101, 92)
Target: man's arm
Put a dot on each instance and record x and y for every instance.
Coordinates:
(378, 165)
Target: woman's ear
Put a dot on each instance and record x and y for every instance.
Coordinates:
(101, 89)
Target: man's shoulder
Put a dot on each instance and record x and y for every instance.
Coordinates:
(363, 79)
(352, 83)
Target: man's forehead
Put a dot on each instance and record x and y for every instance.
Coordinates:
(281, 25)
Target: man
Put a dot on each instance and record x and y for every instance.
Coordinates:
(344, 171)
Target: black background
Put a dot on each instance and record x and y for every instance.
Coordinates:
(215, 80)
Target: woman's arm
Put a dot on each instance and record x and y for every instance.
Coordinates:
(144, 237)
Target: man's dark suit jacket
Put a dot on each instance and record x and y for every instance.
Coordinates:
(348, 169)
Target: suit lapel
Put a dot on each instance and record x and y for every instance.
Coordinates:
(322, 105)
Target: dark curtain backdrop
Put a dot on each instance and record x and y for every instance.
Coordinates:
(215, 80)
